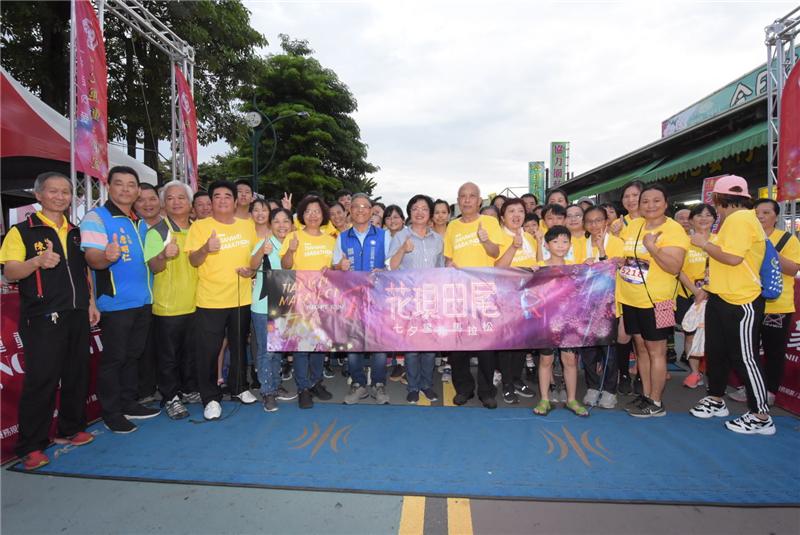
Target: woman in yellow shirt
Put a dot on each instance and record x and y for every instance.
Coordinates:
(693, 276)
(574, 222)
(630, 201)
(655, 247)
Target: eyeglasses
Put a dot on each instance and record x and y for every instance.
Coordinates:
(360, 207)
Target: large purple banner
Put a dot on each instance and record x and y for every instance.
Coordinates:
(441, 309)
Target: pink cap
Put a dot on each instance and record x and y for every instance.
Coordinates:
(731, 185)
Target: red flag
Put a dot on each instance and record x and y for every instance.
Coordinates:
(188, 124)
(91, 85)
(789, 140)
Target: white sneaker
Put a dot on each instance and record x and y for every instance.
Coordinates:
(740, 395)
(591, 397)
(247, 397)
(212, 411)
(709, 407)
(607, 400)
(749, 424)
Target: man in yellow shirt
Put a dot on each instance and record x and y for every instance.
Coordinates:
(220, 246)
(735, 309)
(472, 241)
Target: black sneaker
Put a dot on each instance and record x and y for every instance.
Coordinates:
(521, 389)
(286, 371)
(285, 395)
(319, 391)
(647, 409)
(489, 403)
(397, 373)
(140, 412)
(530, 373)
(635, 402)
(460, 399)
(119, 424)
(269, 402)
(625, 388)
(176, 410)
(305, 400)
(431, 394)
(413, 397)
(327, 371)
(510, 397)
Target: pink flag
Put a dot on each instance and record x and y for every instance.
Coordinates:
(91, 85)
(789, 140)
(188, 124)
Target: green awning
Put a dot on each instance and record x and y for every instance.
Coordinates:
(755, 136)
(616, 182)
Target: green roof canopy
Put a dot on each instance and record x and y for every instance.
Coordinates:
(616, 182)
(755, 136)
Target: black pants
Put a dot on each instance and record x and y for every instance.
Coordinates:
(55, 350)
(510, 364)
(177, 369)
(732, 334)
(148, 367)
(591, 357)
(124, 338)
(774, 335)
(211, 327)
(462, 376)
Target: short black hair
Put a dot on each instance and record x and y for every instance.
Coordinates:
(444, 202)
(697, 209)
(262, 202)
(218, 184)
(555, 232)
(595, 209)
(531, 217)
(556, 190)
(775, 206)
(200, 193)
(511, 202)
(726, 200)
(148, 186)
(336, 203)
(123, 170)
(276, 211)
(427, 200)
(526, 195)
(311, 199)
(390, 209)
(557, 209)
(342, 192)
(375, 203)
(244, 182)
(654, 187)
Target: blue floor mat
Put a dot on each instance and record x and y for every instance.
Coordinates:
(470, 452)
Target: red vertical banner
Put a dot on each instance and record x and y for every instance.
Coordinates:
(789, 140)
(188, 125)
(91, 88)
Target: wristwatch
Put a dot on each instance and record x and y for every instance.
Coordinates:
(601, 258)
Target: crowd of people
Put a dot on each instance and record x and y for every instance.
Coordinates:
(176, 280)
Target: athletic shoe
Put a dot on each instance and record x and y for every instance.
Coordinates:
(625, 387)
(431, 394)
(380, 395)
(489, 402)
(530, 372)
(212, 411)
(740, 395)
(286, 371)
(192, 397)
(35, 459)
(247, 397)
(607, 400)
(412, 397)
(693, 380)
(269, 402)
(285, 395)
(140, 412)
(510, 397)
(119, 425)
(461, 399)
(78, 439)
(319, 391)
(521, 389)
(176, 410)
(749, 424)
(592, 397)
(709, 407)
(327, 371)
(357, 393)
(552, 394)
(447, 374)
(305, 400)
(397, 373)
(647, 409)
(148, 398)
(497, 378)
(562, 395)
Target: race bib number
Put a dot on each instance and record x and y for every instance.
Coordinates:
(633, 271)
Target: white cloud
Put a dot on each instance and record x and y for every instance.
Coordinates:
(451, 91)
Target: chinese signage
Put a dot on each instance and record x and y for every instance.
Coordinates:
(440, 309)
(536, 180)
(559, 163)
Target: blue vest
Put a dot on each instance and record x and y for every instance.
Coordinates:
(126, 282)
(373, 253)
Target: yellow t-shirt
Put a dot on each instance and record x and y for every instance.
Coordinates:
(523, 257)
(694, 267)
(461, 244)
(175, 288)
(313, 252)
(613, 248)
(741, 235)
(633, 276)
(543, 263)
(784, 304)
(218, 281)
(14, 249)
(579, 248)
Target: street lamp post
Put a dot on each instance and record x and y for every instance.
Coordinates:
(260, 122)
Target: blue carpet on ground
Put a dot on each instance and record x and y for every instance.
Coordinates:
(470, 452)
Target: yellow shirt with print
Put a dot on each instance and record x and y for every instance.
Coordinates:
(784, 304)
(174, 288)
(14, 249)
(660, 284)
(741, 235)
(613, 247)
(694, 267)
(522, 258)
(313, 252)
(218, 284)
(461, 244)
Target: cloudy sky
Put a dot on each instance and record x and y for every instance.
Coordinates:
(455, 91)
